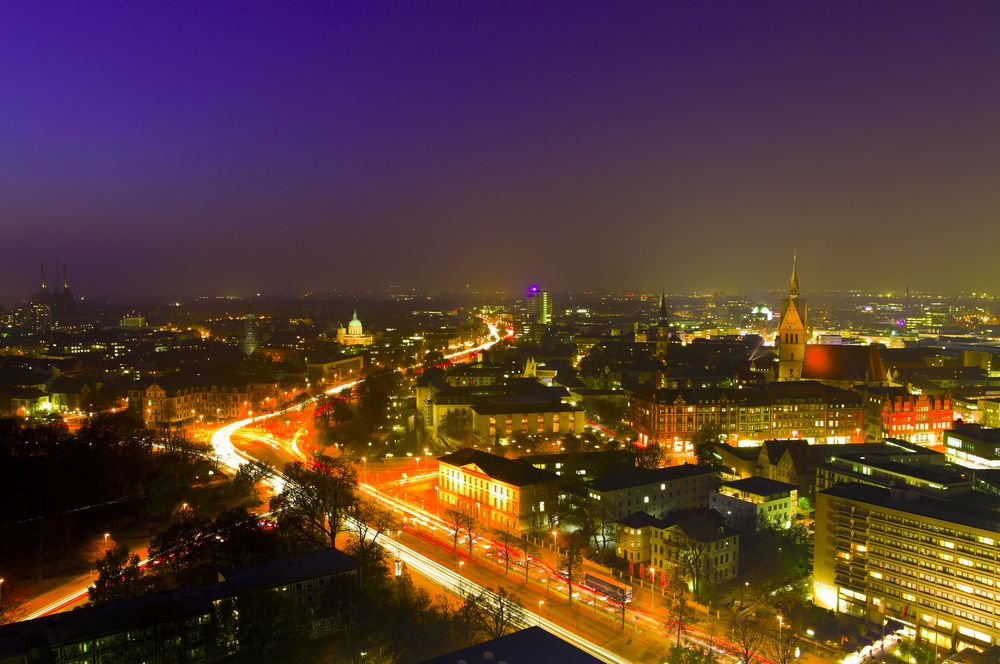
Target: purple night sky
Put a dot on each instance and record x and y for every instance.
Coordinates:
(212, 147)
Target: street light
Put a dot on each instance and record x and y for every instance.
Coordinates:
(540, 603)
(555, 540)
(1, 597)
(652, 587)
(106, 536)
(781, 623)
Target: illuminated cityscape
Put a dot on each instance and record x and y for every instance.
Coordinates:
(645, 332)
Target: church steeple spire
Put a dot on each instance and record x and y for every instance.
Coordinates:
(793, 291)
(663, 308)
(793, 330)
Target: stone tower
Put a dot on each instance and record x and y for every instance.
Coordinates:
(792, 331)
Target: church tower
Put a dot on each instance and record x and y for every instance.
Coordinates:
(662, 328)
(792, 331)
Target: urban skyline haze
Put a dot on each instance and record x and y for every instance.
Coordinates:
(185, 148)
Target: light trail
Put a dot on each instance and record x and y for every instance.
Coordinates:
(226, 454)
(66, 600)
(650, 622)
(294, 446)
(460, 585)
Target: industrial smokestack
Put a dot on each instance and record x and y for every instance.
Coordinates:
(44, 288)
(65, 281)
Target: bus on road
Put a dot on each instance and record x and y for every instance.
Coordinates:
(606, 585)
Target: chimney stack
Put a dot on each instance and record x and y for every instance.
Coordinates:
(44, 288)
(65, 281)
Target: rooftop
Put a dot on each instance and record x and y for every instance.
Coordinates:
(643, 476)
(94, 621)
(761, 486)
(639, 520)
(511, 471)
(526, 404)
(701, 525)
(283, 571)
(976, 431)
(938, 474)
(532, 644)
(944, 510)
(844, 362)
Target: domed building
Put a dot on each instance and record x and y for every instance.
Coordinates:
(354, 334)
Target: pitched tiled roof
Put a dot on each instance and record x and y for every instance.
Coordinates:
(639, 520)
(844, 362)
(511, 471)
(702, 525)
(775, 449)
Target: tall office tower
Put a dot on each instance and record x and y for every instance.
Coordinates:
(250, 336)
(538, 313)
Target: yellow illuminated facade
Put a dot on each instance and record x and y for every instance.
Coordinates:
(499, 493)
(924, 562)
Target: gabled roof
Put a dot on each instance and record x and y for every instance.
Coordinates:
(26, 393)
(857, 364)
(66, 385)
(744, 453)
(510, 471)
(775, 449)
(701, 525)
(639, 520)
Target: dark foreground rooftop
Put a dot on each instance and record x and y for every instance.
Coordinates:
(532, 644)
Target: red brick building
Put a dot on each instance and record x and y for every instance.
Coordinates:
(892, 412)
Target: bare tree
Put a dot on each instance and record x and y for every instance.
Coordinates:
(573, 547)
(456, 524)
(11, 610)
(748, 637)
(619, 597)
(695, 558)
(595, 520)
(315, 498)
(505, 541)
(369, 521)
(471, 527)
(527, 548)
(497, 612)
(680, 614)
(780, 645)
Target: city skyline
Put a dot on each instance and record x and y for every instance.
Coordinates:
(353, 147)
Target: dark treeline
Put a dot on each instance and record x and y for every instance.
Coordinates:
(63, 490)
